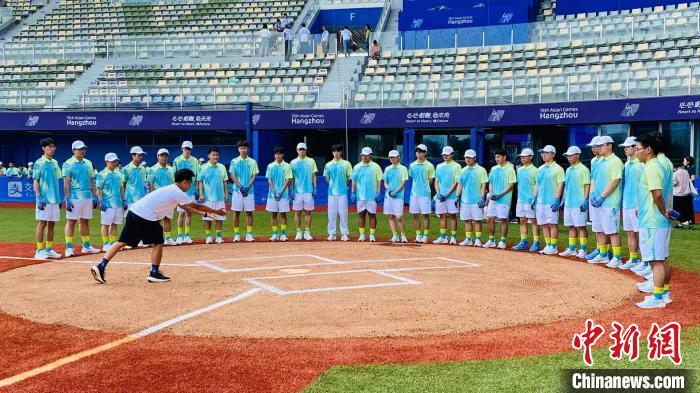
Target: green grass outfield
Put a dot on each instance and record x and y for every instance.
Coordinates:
(532, 374)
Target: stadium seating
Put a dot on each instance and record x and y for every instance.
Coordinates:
(32, 85)
(23, 8)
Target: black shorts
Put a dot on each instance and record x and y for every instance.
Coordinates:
(137, 229)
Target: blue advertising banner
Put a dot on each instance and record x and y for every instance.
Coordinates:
(447, 14)
(335, 19)
(13, 189)
(566, 7)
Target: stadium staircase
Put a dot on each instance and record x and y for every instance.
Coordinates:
(342, 78)
(74, 91)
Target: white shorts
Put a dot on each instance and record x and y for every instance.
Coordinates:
(608, 221)
(574, 217)
(419, 205)
(369, 206)
(498, 210)
(303, 201)
(471, 212)
(630, 221)
(524, 210)
(180, 210)
(50, 213)
(654, 243)
(545, 215)
(393, 207)
(112, 216)
(273, 206)
(240, 203)
(82, 209)
(449, 207)
(593, 213)
(216, 205)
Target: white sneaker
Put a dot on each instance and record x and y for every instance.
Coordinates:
(178, 241)
(275, 237)
(187, 240)
(169, 242)
(466, 243)
(41, 254)
(646, 286)
(501, 245)
(330, 238)
(236, 238)
(581, 254)
(344, 238)
(424, 239)
(453, 240)
(440, 240)
(90, 250)
(141, 245)
(477, 243)
(127, 248)
(644, 272)
(551, 251)
(105, 247)
(219, 240)
(641, 266)
(649, 276)
(404, 239)
(299, 236)
(567, 253)
(372, 238)
(630, 264)
(419, 239)
(307, 236)
(545, 249)
(614, 263)
(652, 302)
(52, 254)
(249, 238)
(490, 244)
(665, 297)
(208, 240)
(283, 238)
(601, 258)
(362, 237)
(394, 239)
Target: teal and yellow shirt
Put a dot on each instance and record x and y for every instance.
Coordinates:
(213, 178)
(278, 173)
(608, 169)
(14, 171)
(500, 177)
(110, 182)
(527, 178)
(303, 172)
(446, 175)
(135, 178)
(80, 173)
(338, 173)
(657, 174)
(630, 183)
(244, 169)
(366, 178)
(161, 176)
(48, 174)
(472, 178)
(187, 163)
(548, 178)
(577, 177)
(421, 173)
(394, 175)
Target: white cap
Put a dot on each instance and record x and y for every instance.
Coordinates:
(594, 141)
(366, 151)
(470, 154)
(526, 152)
(163, 151)
(78, 145)
(605, 139)
(301, 145)
(394, 153)
(201, 159)
(143, 163)
(630, 141)
(137, 150)
(572, 150)
(187, 144)
(548, 149)
(447, 150)
(109, 157)
(30, 163)
(0, 162)
(422, 147)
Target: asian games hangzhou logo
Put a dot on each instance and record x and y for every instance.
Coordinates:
(368, 118)
(136, 120)
(506, 17)
(256, 119)
(630, 110)
(32, 121)
(416, 23)
(496, 115)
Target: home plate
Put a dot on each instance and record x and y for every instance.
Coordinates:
(295, 271)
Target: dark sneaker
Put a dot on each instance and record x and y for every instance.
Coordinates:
(98, 273)
(157, 277)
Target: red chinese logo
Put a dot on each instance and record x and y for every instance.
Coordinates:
(625, 342)
(665, 342)
(587, 339)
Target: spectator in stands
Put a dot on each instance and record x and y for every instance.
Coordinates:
(324, 39)
(264, 34)
(2, 169)
(346, 36)
(682, 196)
(288, 39)
(278, 26)
(30, 169)
(13, 171)
(368, 36)
(375, 50)
(304, 44)
(285, 21)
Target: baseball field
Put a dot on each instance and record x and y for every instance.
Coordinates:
(318, 316)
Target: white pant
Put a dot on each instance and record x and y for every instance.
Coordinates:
(82, 209)
(370, 206)
(216, 205)
(303, 201)
(338, 206)
(449, 207)
(498, 210)
(419, 205)
(281, 206)
(113, 215)
(393, 207)
(471, 212)
(545, 215)
(240, 203)
(593, 213)
(524, 210)
(50, 213)
(654, 243)
(574, 217)
(630, 221)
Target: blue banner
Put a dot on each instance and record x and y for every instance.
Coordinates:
(448, 14)
(336, 19)
(13, 189)
(566, 7)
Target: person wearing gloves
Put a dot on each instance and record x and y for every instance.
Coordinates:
(366, 191)
(161, 175)
(501, 182)
(279, 179)
(47, 175)
(184, 218)
(630, 200)
(446, 202)
(337, 173)
(110, 192)
(81, 198)
(527, 180)
(471, 191)
(548, 193)
(395, 178)
(422, 175)
(243, 170)
(212, 184)
(303, 194)
(577, 184)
